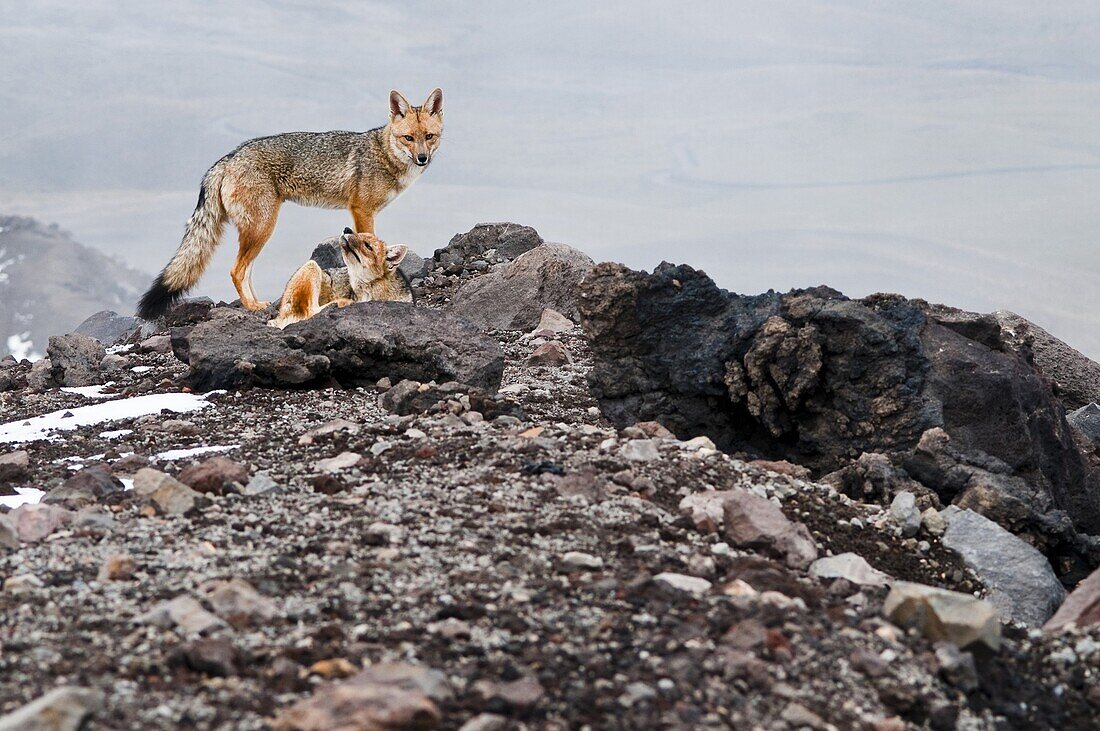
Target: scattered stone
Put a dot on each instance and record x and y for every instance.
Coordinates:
(113, 362)
(575, 560)
(13, 466)
(700, 442)
(75, 359)
(62, 709)
(693, 585)
(365, 701)
(849, 567)
(640, 450)
(755, 522)
(333, 668)
(156, 344)
(798, 716)
(9, 538)
(261, 484)
(554, 321)
(940, 614)
(341, 461)
(33, 522)
(215, 476)
(238, 602)
(1081, 608)
(933, 522)
(515, 695)
(1021, 583)
(89, 485)
(904, 512)
(167, 494)
(216, 657)
(181, 427)
(957, 667)
(553, 353)
(782, 467)
(22, 584)
(486, 722)
(330, 427)
(117, 567)
(185, 613)
(40, 377)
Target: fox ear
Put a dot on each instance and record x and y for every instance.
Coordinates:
(399, 105)
(434, 103)
(395, 254)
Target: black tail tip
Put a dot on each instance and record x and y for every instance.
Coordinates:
(158, 300)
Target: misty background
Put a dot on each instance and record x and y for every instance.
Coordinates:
(945, 150)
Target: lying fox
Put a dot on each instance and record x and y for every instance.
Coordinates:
(359, 171)
(370, 273)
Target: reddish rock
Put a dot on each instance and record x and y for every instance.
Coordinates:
(782, 467)
(1081, 607)
(216, 475)
(371, 700)
(515, 695)
(755, 522)
(550, 354)
(214, 656)
(119, 567)
(35, 522)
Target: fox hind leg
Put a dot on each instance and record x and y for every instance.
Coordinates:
(254, 216)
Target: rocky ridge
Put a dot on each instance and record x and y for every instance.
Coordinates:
(557, 546)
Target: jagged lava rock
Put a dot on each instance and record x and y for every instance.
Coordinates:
(509, 240)
(75, 359)
(513, 296)
(353, 346)
(819, 379)
(111, 328)
(1021, 583)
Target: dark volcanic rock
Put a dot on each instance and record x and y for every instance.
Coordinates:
(353, 346)
(89, 485)
(819, 379)
(1075, 377)
(513, 296)
(111, 328)
(75, 359)
(509, 240)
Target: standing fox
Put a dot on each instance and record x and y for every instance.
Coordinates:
(360, 171)
(370, 273)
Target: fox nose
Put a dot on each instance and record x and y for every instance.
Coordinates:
(421, 159)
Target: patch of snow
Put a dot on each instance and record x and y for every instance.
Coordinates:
(20, 346)
(42, 427)
(123, 348)
(141, 369)
(115, 433)
(194, 452)
(94, 392)
(26, 496)
(127, 483)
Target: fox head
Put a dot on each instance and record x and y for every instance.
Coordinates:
(368, 258)
(416, 131)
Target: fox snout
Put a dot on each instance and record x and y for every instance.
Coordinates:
(421, 158)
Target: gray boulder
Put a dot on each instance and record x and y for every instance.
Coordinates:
(75, 359)
(111, 328)
(1086, 420)
(352, 346)
(1021, 584)
(507, 240)
(513, 296)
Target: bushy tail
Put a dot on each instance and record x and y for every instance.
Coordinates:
(204, 230)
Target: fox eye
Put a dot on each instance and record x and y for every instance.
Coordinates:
(408, 138)
(429, 136)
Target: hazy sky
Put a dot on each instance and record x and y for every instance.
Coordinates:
(947, 150)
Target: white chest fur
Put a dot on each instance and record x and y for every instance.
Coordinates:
(410, 176)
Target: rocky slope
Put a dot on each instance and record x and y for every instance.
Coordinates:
(49, 283)
(309, 529)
